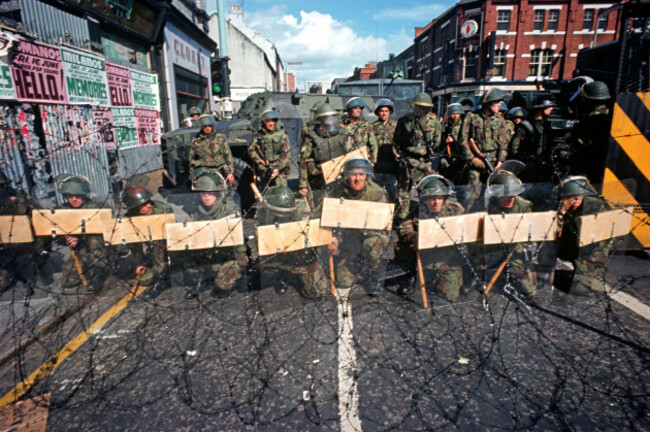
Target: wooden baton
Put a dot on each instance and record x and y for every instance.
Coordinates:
(423, 288)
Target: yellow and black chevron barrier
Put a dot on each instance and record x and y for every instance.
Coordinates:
(627, 172)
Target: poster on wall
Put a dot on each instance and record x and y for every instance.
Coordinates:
(145, 90)
(124, 131)
(85, 78)
(7, 90)
(148, 125)
(103, 118)
(38, 73)
(119, 84)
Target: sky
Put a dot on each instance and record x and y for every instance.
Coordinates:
(331, 38)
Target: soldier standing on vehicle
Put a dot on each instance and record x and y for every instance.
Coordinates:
(195, 113)
(210, 149)
(150, 258)
(269, 152)
(360, 250)
(297, 268)
(226, 266)
(484, 139)
(453, 160)
(383, 130)
(578, 198)
(533, 141)
(589, 138)
(417, 143)
(442, 266)
(504, 189)
(321, 144)
(358, 128)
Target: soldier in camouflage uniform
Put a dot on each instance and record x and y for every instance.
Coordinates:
(453, 158)
(210, 149)
(533, 142)
(321, 144)
(301, 267)
(383, 130)
(360, 251)
(578, 198)
(12, 204)
(418, 143)
(442, 266)
(195, 113)
(487, 129)
(150, 258)
(510, 126)
(589, 138)
(504, 189)
(269, 152)
(89, 249)
(227, 265)
(359, 129)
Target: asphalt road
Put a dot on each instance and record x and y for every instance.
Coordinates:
(264, 361)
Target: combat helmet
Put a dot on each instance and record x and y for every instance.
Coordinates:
(435, 185)
(503, 108)
(356, 163)
(195, 111)
(384, 103)
(516, 112)
(422, 99)
(455, 108)
(279, 205)
(134, 196)
(269, 115)
(206, 120)
(73, 184)
(207, 180)
(324, 112)
(596, 90)
(503, 183)
(355, 102)
(542, 102)
(493, 95)
(575, 186)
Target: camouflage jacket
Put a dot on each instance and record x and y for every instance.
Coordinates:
(488, 132)
(532, 142)
(211, 151)
(510, 128)
(453, 130)
(414, 136)
(568, 246)
(384, 132)
(318, 147)
(274, 148)
(362, 135)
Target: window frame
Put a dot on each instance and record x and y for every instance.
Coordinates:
(541, 59)
(538, 25)
(589, 20)
(501, 55)
(552, 24)
(503, 23)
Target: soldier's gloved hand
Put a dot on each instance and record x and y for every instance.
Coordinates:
(333, 246)
(71, 241)
(478, 163)
(303, 192)
(230, 178)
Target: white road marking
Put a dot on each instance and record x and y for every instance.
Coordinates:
(631, 303)
(348, 390)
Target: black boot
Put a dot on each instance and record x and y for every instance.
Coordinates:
(406, 287)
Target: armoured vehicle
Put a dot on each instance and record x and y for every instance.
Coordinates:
(293, 109)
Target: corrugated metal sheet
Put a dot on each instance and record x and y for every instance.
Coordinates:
(16, 131)
(51, 24)
(74, 146)
(139, 160)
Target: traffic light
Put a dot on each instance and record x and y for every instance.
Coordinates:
(220, 77)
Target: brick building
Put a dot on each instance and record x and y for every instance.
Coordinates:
(479, 44)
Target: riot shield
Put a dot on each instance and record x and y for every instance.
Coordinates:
(206, 245)
(292, 252)
(519, 240)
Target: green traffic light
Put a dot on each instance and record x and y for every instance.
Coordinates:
(216, 88)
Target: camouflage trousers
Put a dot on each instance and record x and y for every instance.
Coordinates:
(589, 276)
(475, 180)
(360, 257)
(517, 271)
(226, 268)
(309, 279)
(406, 185)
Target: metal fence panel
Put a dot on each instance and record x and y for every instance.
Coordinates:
(52, 25)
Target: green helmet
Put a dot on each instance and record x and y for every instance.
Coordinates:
(384, 103)
(542, 102)
(435, 185)
(493, 95)
(279, 206)
(195, 111)
(575, 186)
(134, 196)
(325, 112)
(207, 180)
(356, 163)
(455, 108)
(206, 120)
(504, 184)
(281, 197)
(422, 99)
(325, 109)
(596, 90)
(503, 107)
(269, 115)
(516, 112)
(73, 184)
(355, 102)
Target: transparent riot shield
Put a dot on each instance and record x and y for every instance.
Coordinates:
(206, 246)
(519, 240)
(291, 245)
(362, 230)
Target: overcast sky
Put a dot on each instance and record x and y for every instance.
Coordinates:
(331, 38)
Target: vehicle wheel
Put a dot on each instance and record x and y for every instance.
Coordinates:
(243, 180)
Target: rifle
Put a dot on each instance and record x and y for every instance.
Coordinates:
(477, 153)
